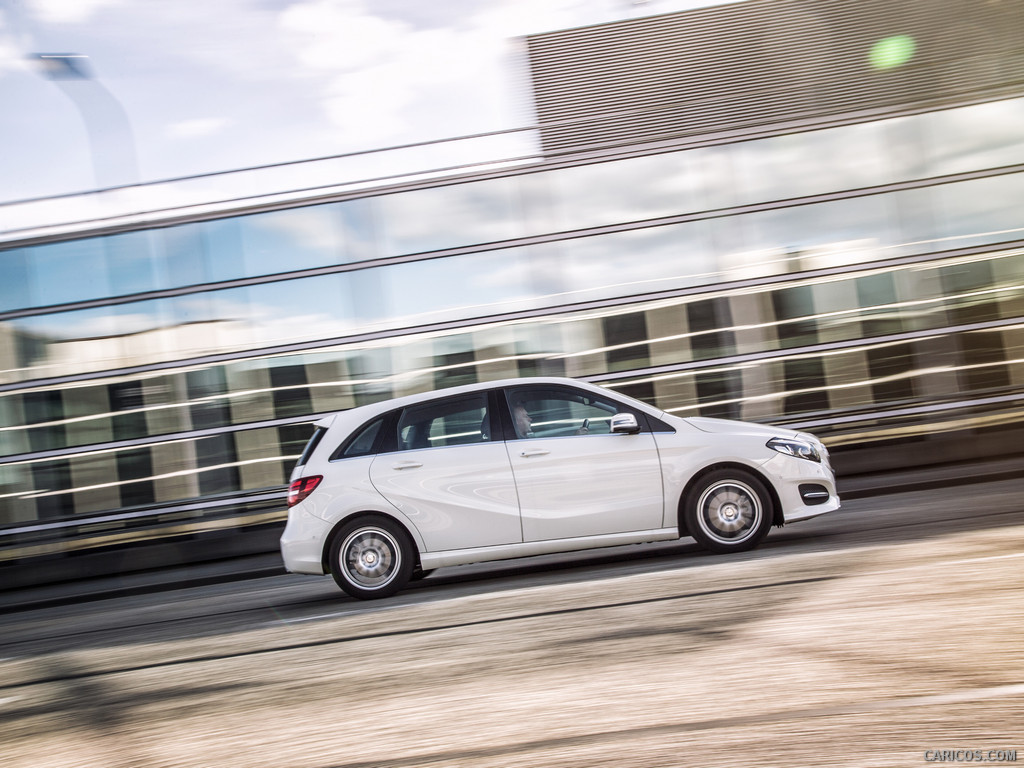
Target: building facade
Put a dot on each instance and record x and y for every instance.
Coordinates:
(860, 274)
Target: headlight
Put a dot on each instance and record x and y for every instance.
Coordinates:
(799, 448)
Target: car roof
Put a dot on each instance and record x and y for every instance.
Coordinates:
(349, 418)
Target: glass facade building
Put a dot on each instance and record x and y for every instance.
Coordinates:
(863, 280)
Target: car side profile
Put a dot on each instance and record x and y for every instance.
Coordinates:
(388, 492)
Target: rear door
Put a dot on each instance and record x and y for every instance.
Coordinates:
(442, 469)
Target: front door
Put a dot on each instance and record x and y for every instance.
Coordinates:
(573, 475)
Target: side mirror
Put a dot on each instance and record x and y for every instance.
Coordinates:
(624, 423)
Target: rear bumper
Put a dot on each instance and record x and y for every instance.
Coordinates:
(302, 543)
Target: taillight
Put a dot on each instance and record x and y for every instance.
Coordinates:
(301, 488)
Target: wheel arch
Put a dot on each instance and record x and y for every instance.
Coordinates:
(778, 516)
(325, 551)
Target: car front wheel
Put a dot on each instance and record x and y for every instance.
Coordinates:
(728, 510)
(371, 557)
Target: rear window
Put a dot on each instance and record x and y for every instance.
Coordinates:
(314, 441)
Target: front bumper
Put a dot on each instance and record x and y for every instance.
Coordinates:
(799, 483)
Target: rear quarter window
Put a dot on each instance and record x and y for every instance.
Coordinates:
(363, 441)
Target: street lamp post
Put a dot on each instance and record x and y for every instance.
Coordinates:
(110, 135)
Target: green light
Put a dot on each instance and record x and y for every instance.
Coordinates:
(892, 52)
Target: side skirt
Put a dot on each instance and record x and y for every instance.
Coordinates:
(431, 560)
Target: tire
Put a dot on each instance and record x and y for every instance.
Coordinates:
(728, 510)
(372, 557)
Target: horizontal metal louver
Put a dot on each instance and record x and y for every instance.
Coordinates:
(760, 63)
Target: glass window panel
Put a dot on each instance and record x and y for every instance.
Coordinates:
(283, 241)
(132, 261)
(625, 338)
(638, 261)
(135, 473)
(456, 286)
(981, 211)
(69, 342)
(182, 255)
(14, 283)
(876, 295)
(814, 236)
(623, 190)
(62, 273)
(891, 368)
(217, 460)
(916, 219)
(719, 393)
(307, 308)
(292, 438)
(449, 217)
(812, 163)
(976, 137)
(290, 390)
(205, 407)
(713, 177)
(222, 250)
(358, 234)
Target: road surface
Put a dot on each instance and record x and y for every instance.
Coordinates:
(890, 633)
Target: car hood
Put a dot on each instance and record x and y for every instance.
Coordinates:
(729, 427)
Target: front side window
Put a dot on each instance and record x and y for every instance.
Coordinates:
(558, 412)
(442, 423)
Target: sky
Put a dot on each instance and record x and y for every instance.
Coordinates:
(187, 87)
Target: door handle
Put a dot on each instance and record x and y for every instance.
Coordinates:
(535, 452)
(406, 465)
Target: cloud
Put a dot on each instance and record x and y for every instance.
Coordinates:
(197, 127)
(12, 47)
(385, 81)
(69, 11)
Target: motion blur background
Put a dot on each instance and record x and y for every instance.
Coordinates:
(217, 224)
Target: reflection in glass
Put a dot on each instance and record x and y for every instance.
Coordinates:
(638, 261)
(797, 165)
(180, 253)
(295, 310)
(449, 216)
(816, 236)
(62, 273)
(284, 241)
(981, 211)
(623, 190)
(131, 263)
(969, 138)
(472, 285)
(14, 286)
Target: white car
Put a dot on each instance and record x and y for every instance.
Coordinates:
(385, 493)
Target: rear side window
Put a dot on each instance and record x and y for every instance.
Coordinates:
(314, 441)
(459, 421)
(361, 443)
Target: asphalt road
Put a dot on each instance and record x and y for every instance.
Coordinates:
(890, 633)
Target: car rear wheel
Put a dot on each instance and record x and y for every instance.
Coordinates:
(371, 557)
(728, 510)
